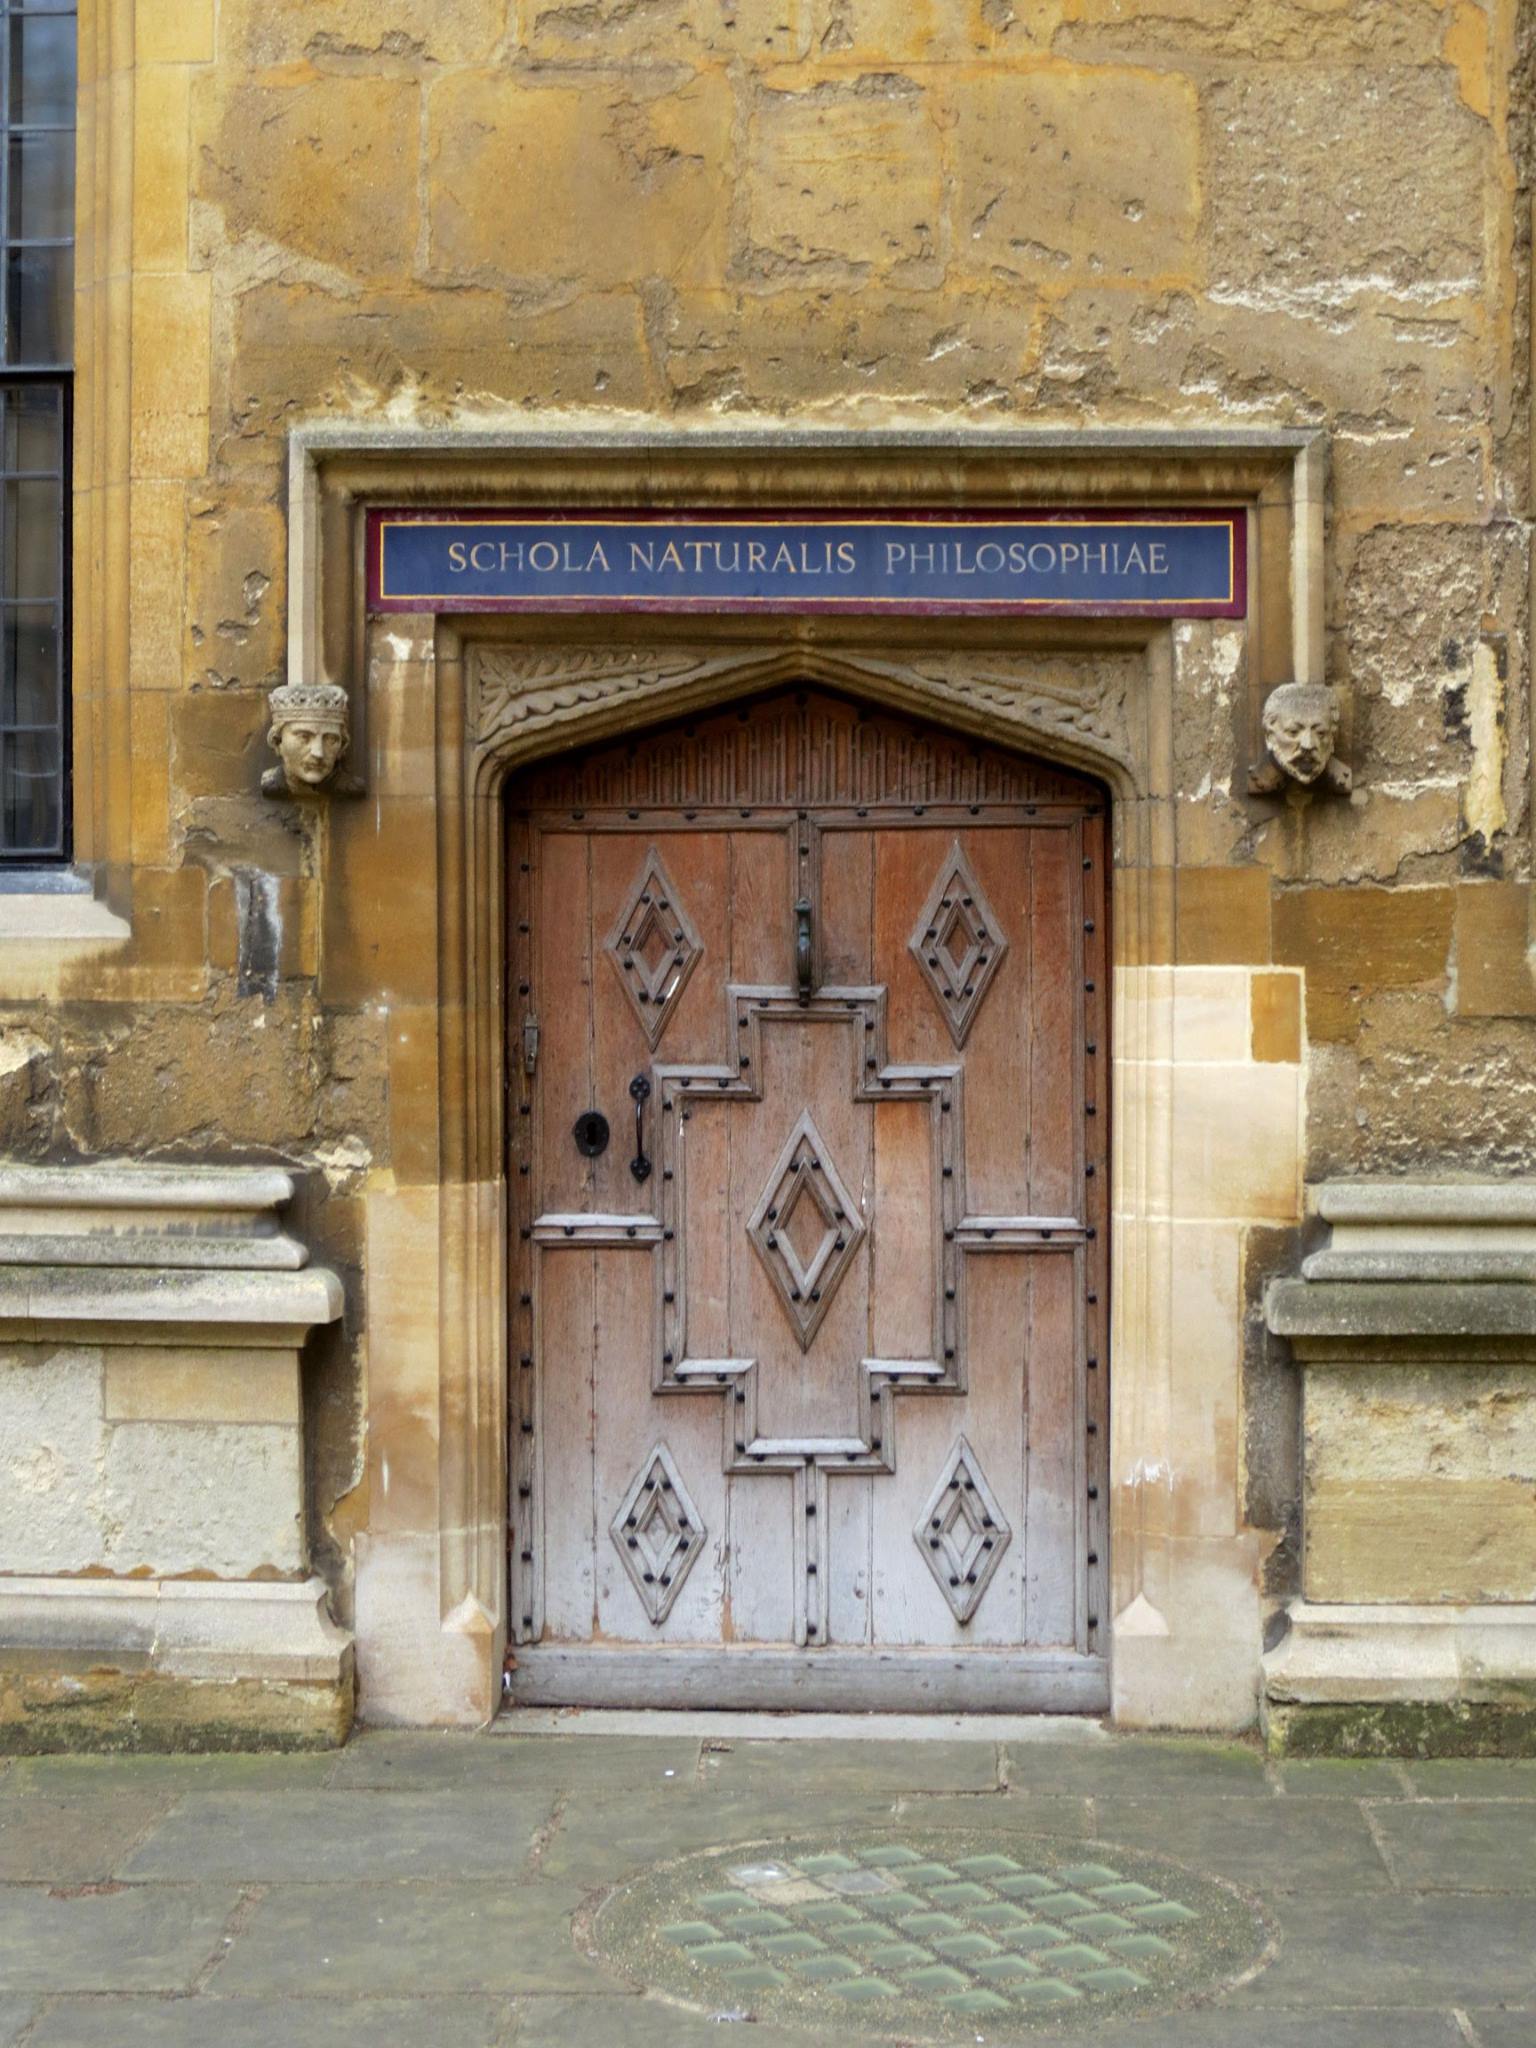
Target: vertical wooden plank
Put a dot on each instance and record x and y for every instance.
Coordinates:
(1051, 1592)
(902, 1255)
(761, 892)
(850, 1504)
(762, 1558)
(566, 1282)
(1055, 1092)
(697, 864)
(761, 1505)
(847, 906)
(561, 999)
(908, 1606)
(999, 1132)
(819, 1392)
(906, 866)
(630, 1421)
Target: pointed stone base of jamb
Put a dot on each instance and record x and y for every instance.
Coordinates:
(1403, 1681)
(194, 1665)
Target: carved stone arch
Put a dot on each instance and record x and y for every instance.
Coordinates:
(1097, 705)
(525, 702)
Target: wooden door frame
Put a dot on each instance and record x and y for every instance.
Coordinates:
(447, 709)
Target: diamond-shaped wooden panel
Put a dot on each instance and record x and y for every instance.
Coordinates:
(806, 1228)
(657, 1533)
(961, 1533)
(654, 947)
(957, 943)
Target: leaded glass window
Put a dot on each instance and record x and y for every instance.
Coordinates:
(37, 215)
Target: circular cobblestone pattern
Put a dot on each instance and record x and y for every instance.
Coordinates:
(929, 1935)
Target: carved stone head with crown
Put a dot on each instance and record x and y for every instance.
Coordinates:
(309, 731)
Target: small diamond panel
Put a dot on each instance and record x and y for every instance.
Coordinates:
(657, 1533)
(805, 1228)
(961, 1532)
(654, 947)
(922, 1966)
(957, 943)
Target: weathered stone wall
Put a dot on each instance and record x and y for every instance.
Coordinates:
(1081, 212)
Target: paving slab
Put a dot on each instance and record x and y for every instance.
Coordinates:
(1336, 1778)
(1140, 1767)
(641, 2022)
(75, 1837)
(1445, 1951)
(382, 1939)
(274, 2023)
(104, 1776)
(406, 1762)
(1504, 2029)
(1275, 1846)
(651, 2023)
(14, 2015)
(866, 1769)
(1468, 1846)
(600, 1840)
(1472, 1778)
(272, 1837)
(109, 1938)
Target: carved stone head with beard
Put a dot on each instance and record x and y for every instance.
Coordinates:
(1301, 729)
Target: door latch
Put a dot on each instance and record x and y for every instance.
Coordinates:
(530, 1044)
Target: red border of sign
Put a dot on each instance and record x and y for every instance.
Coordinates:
(1111, 515)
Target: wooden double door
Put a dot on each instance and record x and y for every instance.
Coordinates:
(807, 1119)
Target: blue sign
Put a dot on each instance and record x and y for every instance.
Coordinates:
(1127, 564)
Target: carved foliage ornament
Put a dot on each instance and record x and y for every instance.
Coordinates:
(1301, 729)
(309, 730)
(520, 687)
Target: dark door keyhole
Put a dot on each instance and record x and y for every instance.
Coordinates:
(590, 1131)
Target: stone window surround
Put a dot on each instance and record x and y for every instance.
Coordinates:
(430, 1598)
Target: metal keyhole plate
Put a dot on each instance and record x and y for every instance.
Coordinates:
(590, 1131)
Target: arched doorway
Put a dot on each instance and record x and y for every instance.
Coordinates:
(808, 1016)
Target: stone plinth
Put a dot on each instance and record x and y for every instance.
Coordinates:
(1415, 1333)
(155, 1588)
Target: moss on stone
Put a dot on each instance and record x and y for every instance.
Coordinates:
(1415, 1728)
(115, 1713)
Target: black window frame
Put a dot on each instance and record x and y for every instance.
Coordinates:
(41, 375)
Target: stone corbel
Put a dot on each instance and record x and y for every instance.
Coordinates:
(1301, 730)
(310, 730)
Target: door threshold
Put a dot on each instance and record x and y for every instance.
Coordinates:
(836, 1679)
(697, 1724)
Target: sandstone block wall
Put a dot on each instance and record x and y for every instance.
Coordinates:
(1083, 212)
(148, 1464)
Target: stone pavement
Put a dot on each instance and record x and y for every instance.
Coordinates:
(436, 1891)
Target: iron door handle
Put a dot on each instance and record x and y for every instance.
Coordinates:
(640, 1091)
(805, 959)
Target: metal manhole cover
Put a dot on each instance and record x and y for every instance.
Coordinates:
(931, 1934)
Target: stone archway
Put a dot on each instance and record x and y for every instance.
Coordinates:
(499, 703)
